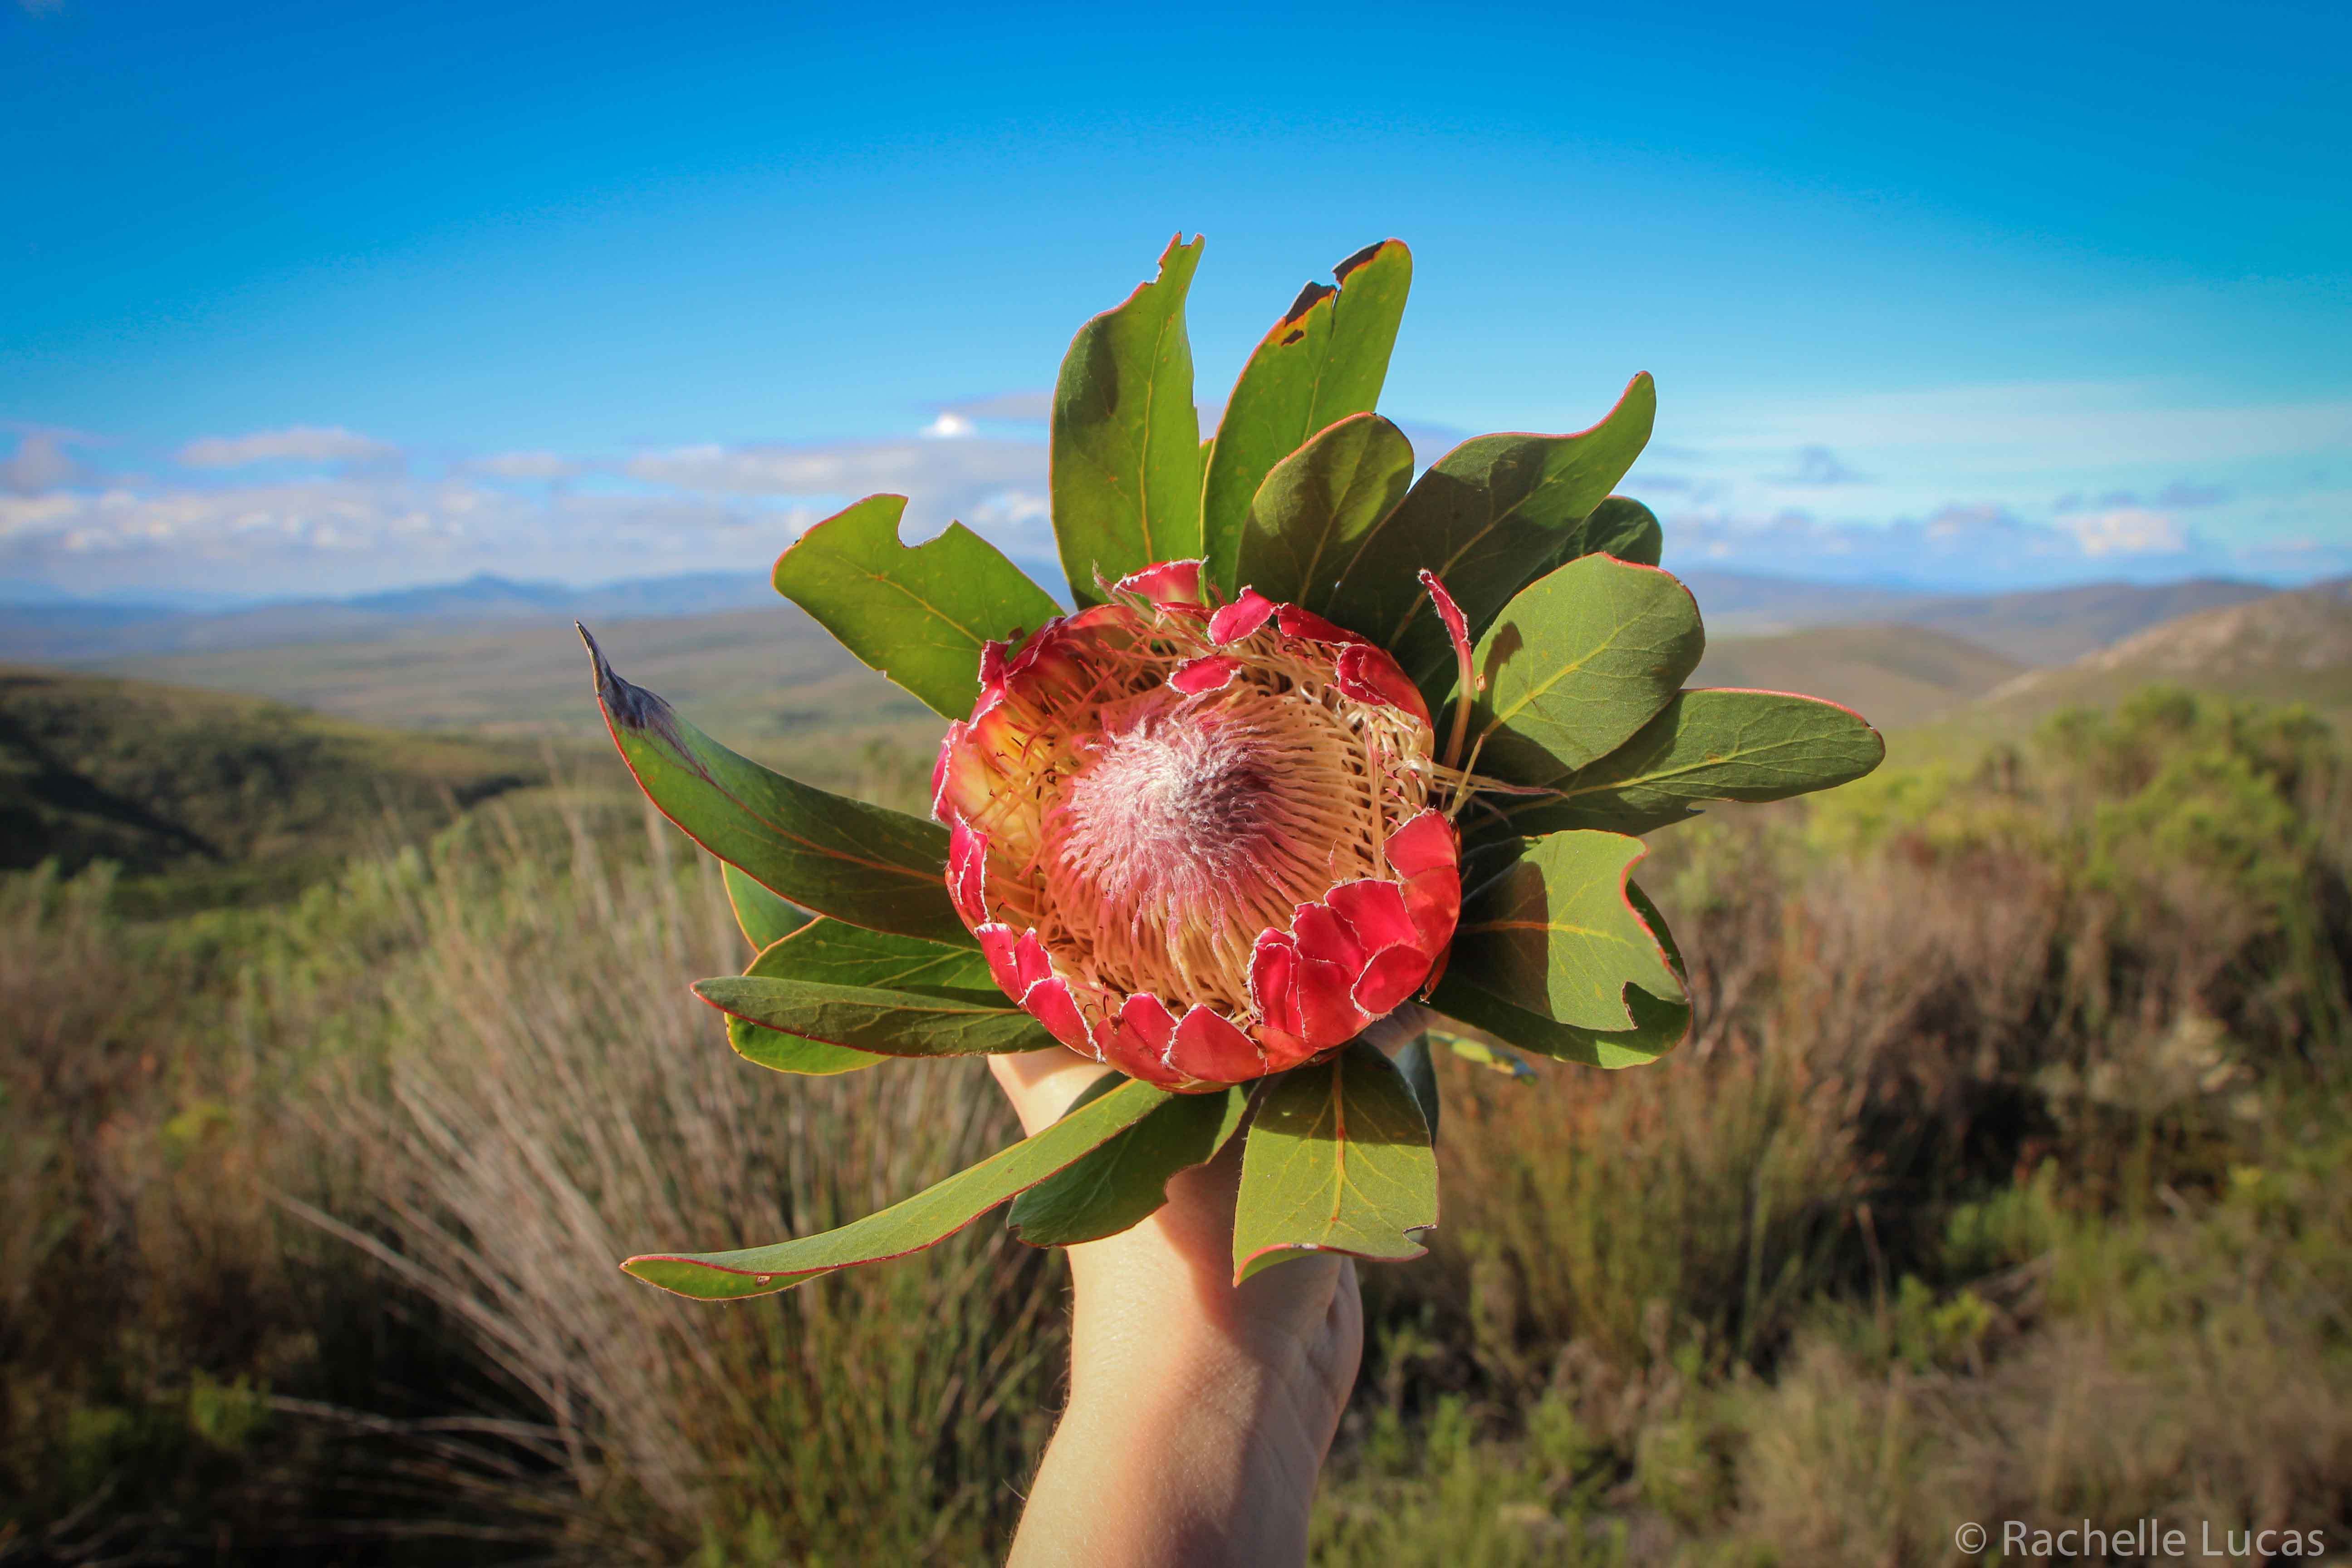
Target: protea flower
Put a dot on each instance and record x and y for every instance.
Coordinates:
(1198, 846)
(1313, 738)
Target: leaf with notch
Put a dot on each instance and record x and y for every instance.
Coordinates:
(1576, 663)
(918, 613)
(1339, 1160)
(1126, 1180)
(1659, 1024)
(884, 1022)
(837, 856)
(1319, 502)
(929, 1218)
(832, 952)
(1551, 926)
(1420, 1074)
(1125, 448)
(1479, 518)
(1324, 361)
(1705, 745)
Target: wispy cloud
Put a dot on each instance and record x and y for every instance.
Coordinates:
(298, 443)
(1818, 467)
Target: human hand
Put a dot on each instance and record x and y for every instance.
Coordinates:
(1200, 1411)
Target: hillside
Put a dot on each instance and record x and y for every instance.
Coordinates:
(768, 681)
(2050, 625)
(1893, 675)
(233, 798)
(2286, 647)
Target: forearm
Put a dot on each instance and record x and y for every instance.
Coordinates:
(1195, 1431)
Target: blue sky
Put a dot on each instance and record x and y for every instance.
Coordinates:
(324, 298)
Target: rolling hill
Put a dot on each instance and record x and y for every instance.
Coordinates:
(2286, 647)
(2050, 625)
(230, 797)
(1893, 676)
(769, 682)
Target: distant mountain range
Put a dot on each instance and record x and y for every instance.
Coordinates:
(2049, 626)
(85, 631)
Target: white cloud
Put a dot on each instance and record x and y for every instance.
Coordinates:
(2126, 530)
(1011, 407)
(950, 426)
(547, 465)
(298, 443)
(41, 463)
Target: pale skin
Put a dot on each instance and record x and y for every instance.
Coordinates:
(1200, 1411)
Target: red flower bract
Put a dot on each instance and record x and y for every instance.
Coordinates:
(1198, 846)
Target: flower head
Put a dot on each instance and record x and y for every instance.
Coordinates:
(1198, 844)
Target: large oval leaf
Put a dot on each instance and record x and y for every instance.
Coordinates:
(838, 856)
(834, 953)
(1319, 504)
(1707, 745)
(918, 614)
(1551, 926)
(1578, 662)
(1482, 518)
(1339, 1160)
(929, 1218)
(1126, 439)
(872, 1018)
(1659, 1024)
(1125, 1180)
(1324, 361)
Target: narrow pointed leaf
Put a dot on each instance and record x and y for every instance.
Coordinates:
(765, 917)
(1324, 361)
(1420, 1074)
(1707, 745)
(1551, 926)
(1339, 1160)
(1126, 439)
(931, 1216)
(870, 1018)
(836, 953)
(1124, 1179)
(821, 851)
(1578, 662)
(917, 614)
(1481, 518)
(1319, 504)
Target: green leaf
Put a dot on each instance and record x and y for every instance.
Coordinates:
(1339, 1160)
(1126, 439)
(1324, 361)
(871, 1018)
(1708, 745)
(1551, 927)
(1623, 527)
(1659, 1025)
(931, 1216)
(836, 857)
(1479, 1053)
(832, 952)
(1578, 662)
(916, 614)
(1319, 504)
(1124, 1179)
(765, 917)
(1420, 1075)
(1481, 517)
